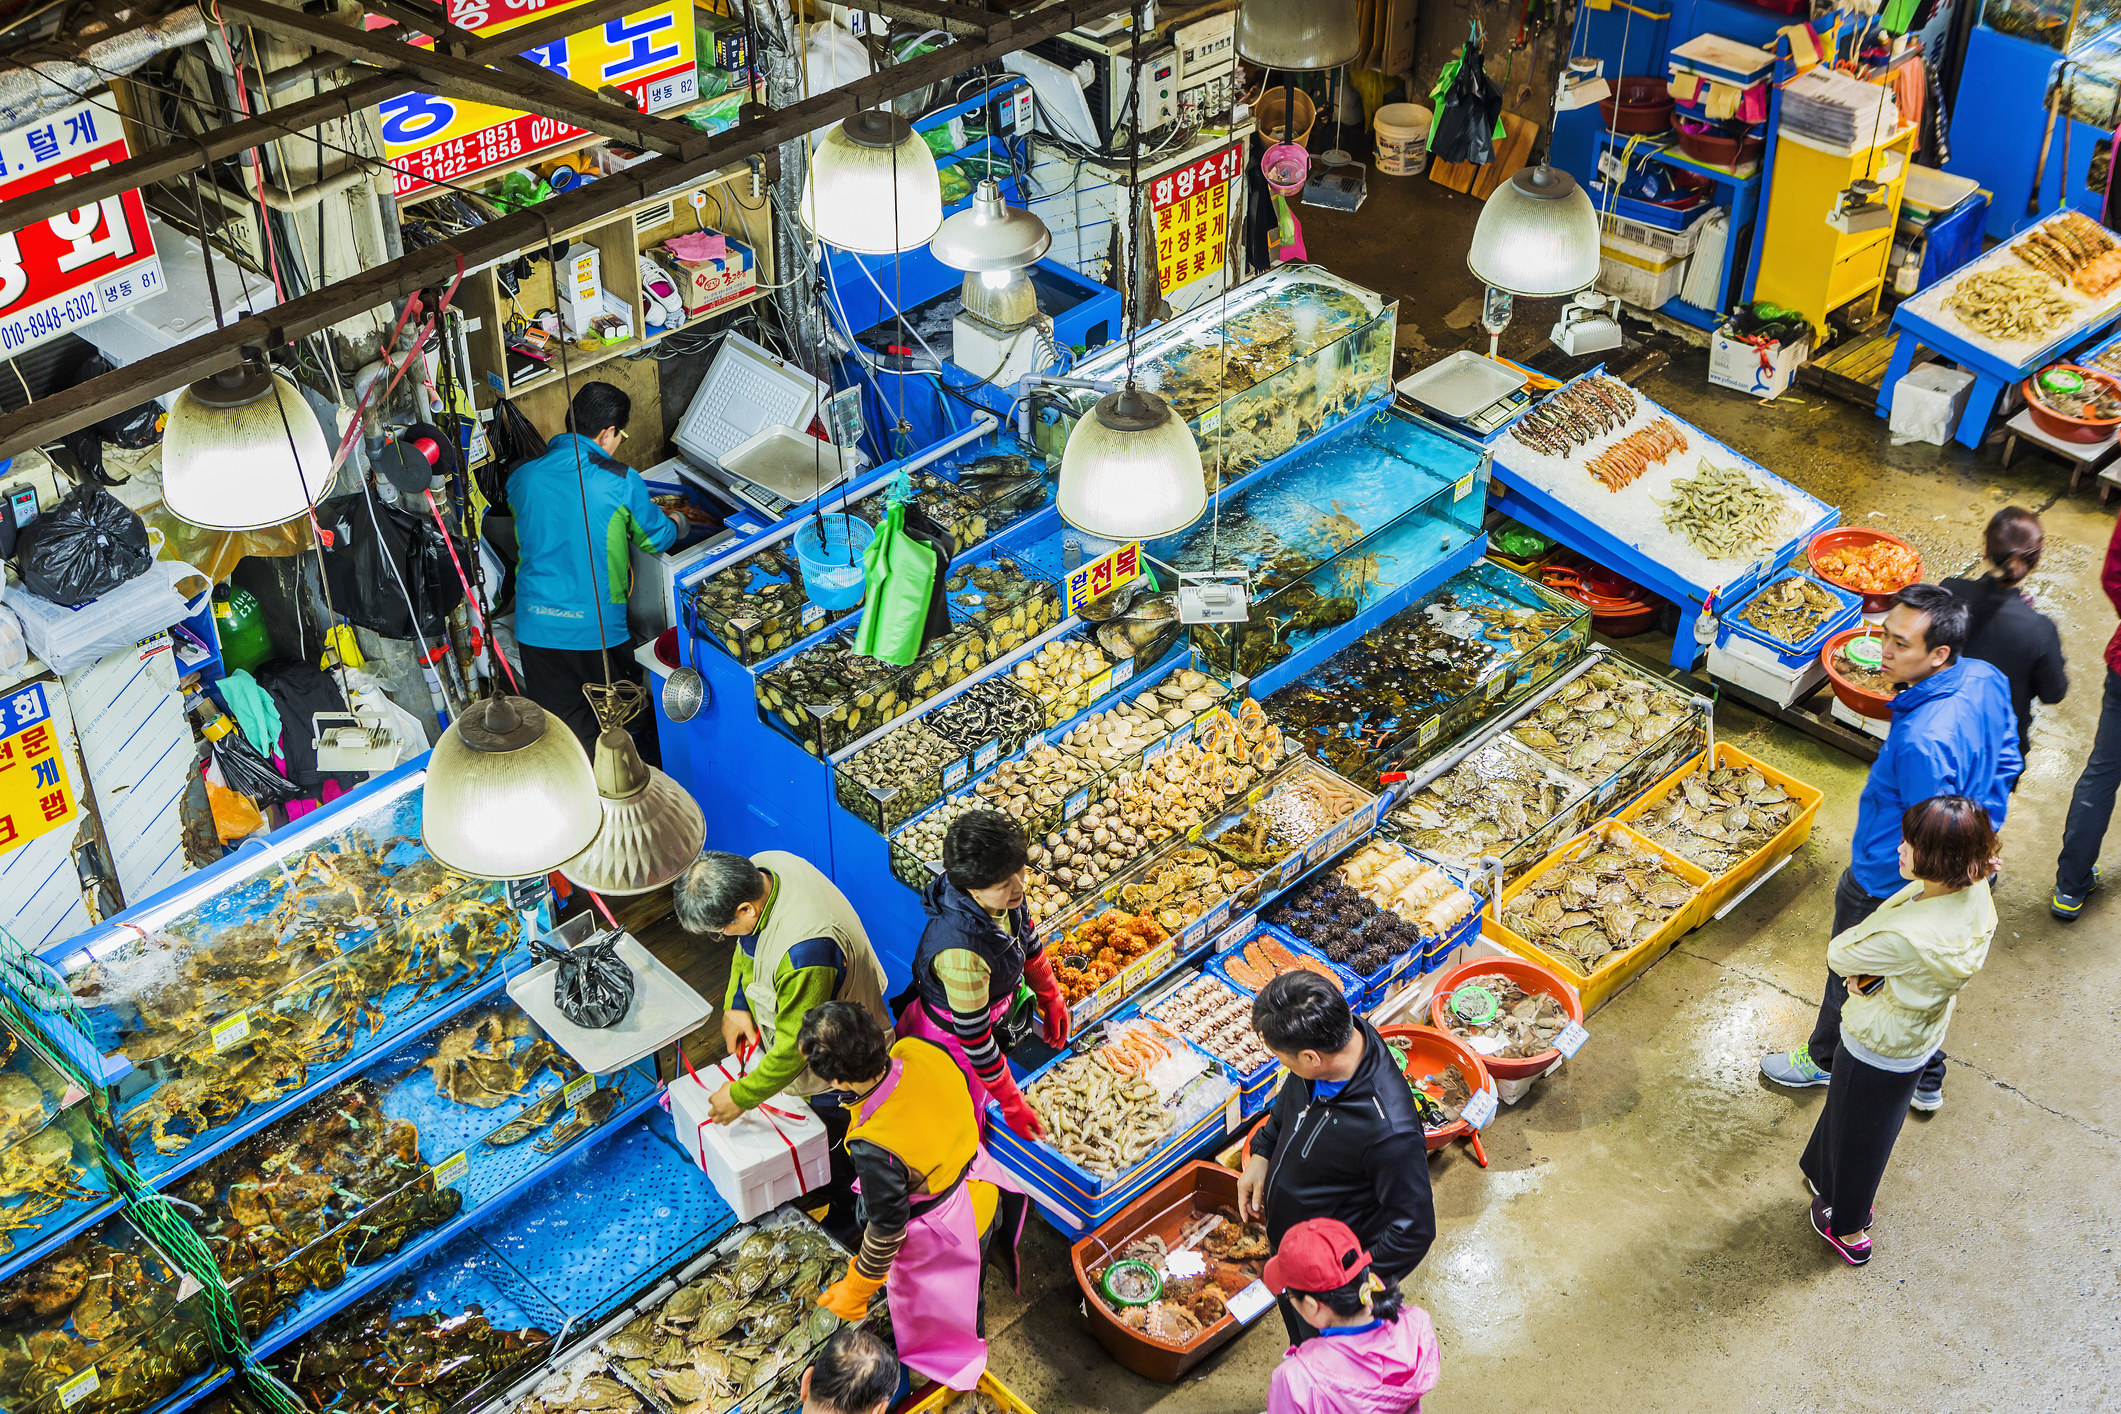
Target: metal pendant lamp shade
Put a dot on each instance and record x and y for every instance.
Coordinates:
(226, 459)
(1131, 470)
(1301, 35)
(990, 235)
(652, 829)
(872, 187)
(1537, 236)
(509, 793)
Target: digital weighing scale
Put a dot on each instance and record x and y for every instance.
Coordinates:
(1467, 389)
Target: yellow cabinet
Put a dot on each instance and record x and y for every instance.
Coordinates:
(1808, 264)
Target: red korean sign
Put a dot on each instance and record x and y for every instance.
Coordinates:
(1192, 207)
(58, 275)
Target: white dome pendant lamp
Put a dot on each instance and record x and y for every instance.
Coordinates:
(242, 450)
(652, 830)
(872, 188)
(509, 793)
(1537, 236)
(1303, 36)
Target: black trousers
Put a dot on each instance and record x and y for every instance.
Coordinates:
(839, 1187)
(554, 678)
(1851, 906)
(1864, 1109)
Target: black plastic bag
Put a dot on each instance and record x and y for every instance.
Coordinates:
(379, 558)
(136, 427)
(514, 440)
(1465, 125)
(593, 986)
(87, 545)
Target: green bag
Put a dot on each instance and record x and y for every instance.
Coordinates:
(901, 581)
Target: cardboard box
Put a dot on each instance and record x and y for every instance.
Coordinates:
(709, 284)
(771, 1155)
(1762, 370)
(578, 285)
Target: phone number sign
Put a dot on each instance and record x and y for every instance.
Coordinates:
(1192, 207)
(649, 54)
(35, 798)
(69, 271)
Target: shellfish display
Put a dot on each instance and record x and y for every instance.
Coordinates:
(1598, 722)
(1605, 895)
(1717, 819)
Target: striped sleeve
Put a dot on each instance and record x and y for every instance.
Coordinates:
(966, 980)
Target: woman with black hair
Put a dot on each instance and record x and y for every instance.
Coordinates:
(2003, 629)
(1371, 1354)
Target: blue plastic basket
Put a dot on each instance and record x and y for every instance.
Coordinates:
(1351, 986)
(1650, 213)
(1729, 625)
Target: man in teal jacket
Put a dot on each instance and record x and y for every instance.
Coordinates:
(563, 632)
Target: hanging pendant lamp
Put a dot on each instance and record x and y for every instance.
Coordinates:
(1300, 35)
(509, 793)
(1537, 236)
(1131, 469)
(872, 187)
(990, 236)
(652, 830)
(226, 459)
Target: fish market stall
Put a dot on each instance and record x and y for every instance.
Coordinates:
(1601, 468)
(2010, 312)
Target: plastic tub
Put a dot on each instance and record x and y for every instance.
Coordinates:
(1525, 973)
(1430, 1050)
(1730, 624)
(830, 548)
(1876, 706)
(1703, 143)
(1723, 887)
(1858, 535)
(2069, 427)
(1403, 139)
(1642, 104)
(1619, 606)
(1267, 115)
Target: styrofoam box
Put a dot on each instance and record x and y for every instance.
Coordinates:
(761, 1161)
(1640, 275)
(1928, 402)
(1754, 667)
(1849, 717)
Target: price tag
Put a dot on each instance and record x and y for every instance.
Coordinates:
(1571, 1039)
(1122, 673)
(1428, 731)
(1605, 792)
(1237, 932)
(1154, 749)
(1098, 686)
(1195, 834)
(1211, 419)
(452, 1168)
(1181, 735)
(79, 1388)
(229, 1030)
(1076, 804)
(813, 615)
(954, 773)
(1255, 795)
(1190, 934)
(1033, 742)
(1463, 487)
(1217, 916)
(1479, 1110)
(1233, 1112)
(1610, 166)
(1292, 869)
(986, 754)
(573, 1092)
(1251, 1303)
(1495, 685)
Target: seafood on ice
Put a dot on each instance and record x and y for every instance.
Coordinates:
(1619, 465)
(1266, 958)
(1576, 416)
(1103, 1110)
(2074, 249)
(1413, 888)
(1216, 1019)
(1725, 511)
(2008, 304)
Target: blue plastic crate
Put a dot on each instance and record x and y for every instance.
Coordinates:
(1252, 1085)
(1650, 213)
(1433, 955)
(1729, 625)
(1351, 986)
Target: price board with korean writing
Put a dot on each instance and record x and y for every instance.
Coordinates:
(649, 54)
(1192, 207)
(35, 795)
(1103, 575)
(61, 274)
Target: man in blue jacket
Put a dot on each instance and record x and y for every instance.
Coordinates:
(570, 607)
(1954, 732)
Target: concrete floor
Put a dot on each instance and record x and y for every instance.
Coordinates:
(1640, 1240)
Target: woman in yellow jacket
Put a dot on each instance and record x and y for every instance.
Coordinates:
(1905, 965)
(934, 1204)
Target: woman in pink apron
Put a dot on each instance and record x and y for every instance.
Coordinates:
(932, 1199)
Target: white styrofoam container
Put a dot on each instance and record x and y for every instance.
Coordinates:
(1928, 401)
(1753, 666)
(770, 1156)
(1641, 276)
(1850, 717)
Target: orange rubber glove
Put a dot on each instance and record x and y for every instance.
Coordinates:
(1052, 1001)
(849, 1297)
(1015, 1110)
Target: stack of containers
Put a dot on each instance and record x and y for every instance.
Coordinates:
(1783, 673)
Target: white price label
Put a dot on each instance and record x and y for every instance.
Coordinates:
(986, 755)
(1233, 1113)
(1217, 916)
(1154, 749)
(1181, 735)
(1033, 742)
(1610, 166)
(229, 1031)
(1251, 1303)
(1075, 804)
(1571, 1039)
(1479, 1110)
(1237, 932)
(954, 773)
(79, 1388)
(1122, 674)
(576, 1089)
(452, 1168)
(812, 615)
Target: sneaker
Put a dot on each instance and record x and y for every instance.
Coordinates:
(2067, 906)
(1855, 1250)
(1928, 1101)
(1873, 1222)
(1793, 1068)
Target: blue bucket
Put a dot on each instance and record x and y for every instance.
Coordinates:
(832, 561)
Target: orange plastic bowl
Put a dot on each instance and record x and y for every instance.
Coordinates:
(1620, 608)
(1526, 974)
(1855, 535)
(1430, 1050)
(2069, 427)
(1876, 706)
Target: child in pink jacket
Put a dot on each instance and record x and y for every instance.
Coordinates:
(1370, 1356)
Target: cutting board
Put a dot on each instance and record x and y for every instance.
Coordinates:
(1511, 150)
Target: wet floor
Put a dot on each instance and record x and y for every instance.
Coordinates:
(1639, 1240)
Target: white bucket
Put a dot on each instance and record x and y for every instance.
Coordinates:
(1403, 139)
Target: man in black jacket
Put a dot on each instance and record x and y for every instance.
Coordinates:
(1343, 1139)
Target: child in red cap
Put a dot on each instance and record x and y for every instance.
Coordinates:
(1371, 1355)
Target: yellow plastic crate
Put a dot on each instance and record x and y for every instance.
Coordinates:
(936, 1396)
(1727, 886)
(1598, 987)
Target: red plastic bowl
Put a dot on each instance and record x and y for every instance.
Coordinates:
(1877, 706)
(1718, 151)
(1526, 974)
(1827, 540)
(1619, 607)
(2066, 426)
(1430, 1050)
(1642, 105)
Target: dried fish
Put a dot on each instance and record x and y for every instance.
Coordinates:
(1724, 512)
(2008, 304)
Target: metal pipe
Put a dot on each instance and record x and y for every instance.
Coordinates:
(1023, 396)
(303, 198)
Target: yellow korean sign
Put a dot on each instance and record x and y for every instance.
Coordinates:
(35, 796)
(1192, 207)
(649, 54)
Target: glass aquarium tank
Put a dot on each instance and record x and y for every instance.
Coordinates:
(1258, 371)
(756, 607)
(52, 1169)
(2047, 21)
(1357, 513)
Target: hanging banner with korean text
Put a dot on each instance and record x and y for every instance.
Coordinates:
(649, 54)
(69, 271)
(35, 796)
(1192, 207)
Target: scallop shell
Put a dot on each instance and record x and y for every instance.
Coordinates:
(1197, 702)
(1177, 716)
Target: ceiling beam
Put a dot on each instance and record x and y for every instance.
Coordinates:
(72, 408)
(548, 95)
(421, 18)
(950, 16)
(217, 144)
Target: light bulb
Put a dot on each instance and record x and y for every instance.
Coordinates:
(995, 279)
